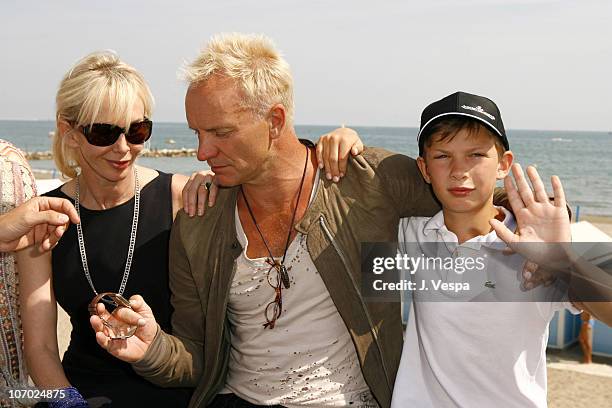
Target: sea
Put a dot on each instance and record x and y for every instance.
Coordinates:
(583, 160)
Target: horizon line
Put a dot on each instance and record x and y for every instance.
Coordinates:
(351, 126)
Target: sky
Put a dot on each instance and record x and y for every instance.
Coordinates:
(546, 63)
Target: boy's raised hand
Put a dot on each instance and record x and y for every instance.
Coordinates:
(333, 151)
(539, 221)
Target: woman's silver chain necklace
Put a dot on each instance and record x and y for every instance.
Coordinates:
(128, 263)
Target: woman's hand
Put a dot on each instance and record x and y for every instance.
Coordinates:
(199, 190)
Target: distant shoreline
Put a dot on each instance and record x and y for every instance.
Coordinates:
(182, 152)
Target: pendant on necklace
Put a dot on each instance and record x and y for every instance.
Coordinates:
(114, 327)
(284, 276)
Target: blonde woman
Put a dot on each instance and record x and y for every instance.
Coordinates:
(104, 108)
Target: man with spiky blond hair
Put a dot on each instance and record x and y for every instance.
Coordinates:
(268, 305)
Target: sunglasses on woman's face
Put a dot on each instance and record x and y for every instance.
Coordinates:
(104, 134)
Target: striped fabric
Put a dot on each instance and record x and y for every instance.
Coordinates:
(16, 186)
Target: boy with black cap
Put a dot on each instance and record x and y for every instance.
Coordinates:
(459, 349)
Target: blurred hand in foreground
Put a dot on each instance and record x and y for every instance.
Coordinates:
(40, 220)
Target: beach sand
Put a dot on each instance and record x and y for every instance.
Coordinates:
(573, 389)
(44, 174)
(602, 222)
(575, 385)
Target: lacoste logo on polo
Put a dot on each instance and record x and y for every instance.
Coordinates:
(479, 110)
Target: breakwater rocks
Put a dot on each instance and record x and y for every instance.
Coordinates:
(184, 152)
(39, 155)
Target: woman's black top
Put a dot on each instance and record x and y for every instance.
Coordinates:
(93, 371)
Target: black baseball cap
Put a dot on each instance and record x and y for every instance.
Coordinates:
(463, 104)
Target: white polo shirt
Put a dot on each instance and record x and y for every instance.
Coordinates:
(466, 353)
